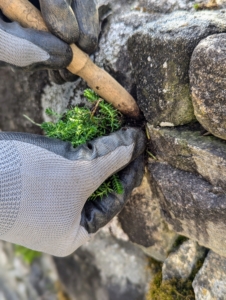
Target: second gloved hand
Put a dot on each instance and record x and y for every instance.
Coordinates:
(45, 184)
(29, 49)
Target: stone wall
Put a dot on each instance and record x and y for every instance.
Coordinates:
(171, 58)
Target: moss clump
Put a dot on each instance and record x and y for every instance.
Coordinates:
(174, 289)
(79, 125)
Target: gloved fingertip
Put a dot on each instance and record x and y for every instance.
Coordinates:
(60, 20)
(87, 16)
(132, 175)
(137, 136)
(88, 43)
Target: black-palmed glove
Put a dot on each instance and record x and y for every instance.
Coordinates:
(45, 184)
(74, 21)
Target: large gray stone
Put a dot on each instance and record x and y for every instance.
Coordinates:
(148, 228)
(160, 53)
(207, 79)
(191, 205)
(187, 149)
(210, 281)
(181, 263)
(105, 269)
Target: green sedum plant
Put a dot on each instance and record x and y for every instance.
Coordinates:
(79, 125)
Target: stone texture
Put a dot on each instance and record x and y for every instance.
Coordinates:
(60, 97)
(207, 78)
(210, 281)
(20, 94)
(112, 54)
(167, 6)
(148, 228)
(191, 205)
(105, 269)
(160, 53)
(156, 6)
(187, 149)
(181, 263)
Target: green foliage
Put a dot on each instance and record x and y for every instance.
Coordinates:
(196, 6)
(174, 289)
(210, 4)
(79, 125)
(102, 191)
(112, 184)
(117, 185)
(91, 95)
(28, 255)
(52, 113)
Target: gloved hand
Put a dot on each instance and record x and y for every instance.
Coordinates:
(30, 49)
(45, 183)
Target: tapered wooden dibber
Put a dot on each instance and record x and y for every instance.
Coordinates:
(99, 80)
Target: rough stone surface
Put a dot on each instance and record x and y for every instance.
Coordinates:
(191, 205)
(160, 54)
(20, 94)
(207, 77)
(167, 6)
(210, 281)
(148, 229)
(187, 149)
(181, 263)
(112, 54)
(105, 269)
(60, 97)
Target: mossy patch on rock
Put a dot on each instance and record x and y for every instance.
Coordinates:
(173, 289)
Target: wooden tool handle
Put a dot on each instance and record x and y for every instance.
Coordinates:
(99, 80)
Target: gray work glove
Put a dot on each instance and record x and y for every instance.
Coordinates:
(45, 184)
(29, 49)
